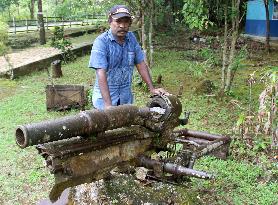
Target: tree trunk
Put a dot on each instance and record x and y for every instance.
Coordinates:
(151, 33)
(168, 15)
(235, 25)
(267, 34)
(144, 39)
(17, 7)
(31, 7)
(9, 10)
(225, 48)
(230, 68)
(41, 23)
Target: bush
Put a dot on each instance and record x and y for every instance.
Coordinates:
(23, 41)
(3, 38)
(58, 41)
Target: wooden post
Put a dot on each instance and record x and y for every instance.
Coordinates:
(159, 79)
(56, 69)
(26, 23)
(14, 25)
(180, 91)
(46, 21)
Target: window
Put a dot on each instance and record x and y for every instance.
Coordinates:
(275, 10)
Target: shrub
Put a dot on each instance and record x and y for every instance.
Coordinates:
(58, 41)
(3, 38)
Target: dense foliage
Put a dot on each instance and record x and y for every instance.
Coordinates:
(196, 14)
(3, 38)
(23, 9)
(59, 41)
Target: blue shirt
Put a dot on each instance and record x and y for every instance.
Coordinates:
(118, 61)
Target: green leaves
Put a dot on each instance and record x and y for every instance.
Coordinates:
(196, 14)
(58, 41)
(3, 38)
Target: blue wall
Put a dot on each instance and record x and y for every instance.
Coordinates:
(256, 19)
(258, 27)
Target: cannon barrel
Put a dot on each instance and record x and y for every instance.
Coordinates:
(85, 123)
(94, 121)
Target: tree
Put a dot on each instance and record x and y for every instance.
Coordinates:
(196, 14)
(41, 23)
(229, 67)
(4, 48)
(3, 38)
(31, 6)
(267, 46)
(145, 9)
(6, 4)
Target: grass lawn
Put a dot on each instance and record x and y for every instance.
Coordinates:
(249, 176)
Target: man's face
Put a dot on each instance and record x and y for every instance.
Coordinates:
(120, 27)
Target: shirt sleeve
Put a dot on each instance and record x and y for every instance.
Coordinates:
(98, 58)
(139, 54)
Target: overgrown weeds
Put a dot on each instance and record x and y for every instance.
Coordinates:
(249, 176)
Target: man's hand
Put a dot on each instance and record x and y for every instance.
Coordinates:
(159, 91)
(107, 106)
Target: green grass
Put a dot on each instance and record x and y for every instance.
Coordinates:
(23, 169)
(24, 180)
(236, 183)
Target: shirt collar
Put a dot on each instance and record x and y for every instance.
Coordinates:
(111, 37)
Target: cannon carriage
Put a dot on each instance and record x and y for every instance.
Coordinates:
(85, 147)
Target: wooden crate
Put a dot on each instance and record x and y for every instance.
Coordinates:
(64, 97)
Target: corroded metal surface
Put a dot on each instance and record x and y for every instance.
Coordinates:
(203, 143)
(85, 123)
(172, 168)
(85, 147)
(95, 165)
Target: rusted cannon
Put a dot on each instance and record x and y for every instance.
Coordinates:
(86, 147)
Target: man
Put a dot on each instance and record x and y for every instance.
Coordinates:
(113, 56)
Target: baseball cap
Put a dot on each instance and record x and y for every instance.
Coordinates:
(119, 11)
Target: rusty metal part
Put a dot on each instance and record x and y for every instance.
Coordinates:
(95, 165)
(210, 147)
(94, 121)
(172, 168)
(85, 123)
(200, 134)
(53, 151)
(170, 103)
(84, 148)
(204, 143)
(192, 161)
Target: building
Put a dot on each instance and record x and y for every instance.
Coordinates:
(256, 19)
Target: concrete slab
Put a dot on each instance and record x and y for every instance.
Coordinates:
(39, 62)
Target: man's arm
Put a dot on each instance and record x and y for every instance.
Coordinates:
(103, 85)
(145, 74)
